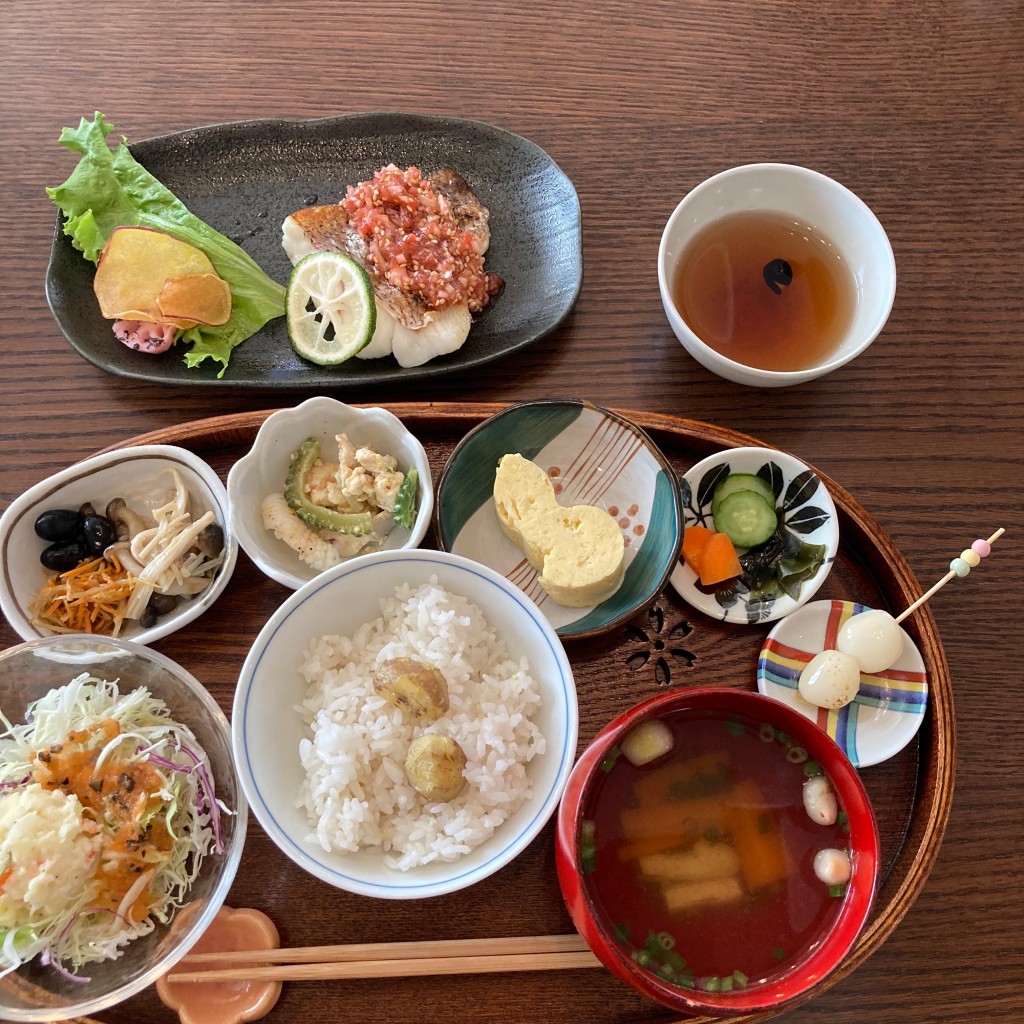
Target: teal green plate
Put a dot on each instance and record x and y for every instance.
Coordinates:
(592, 456)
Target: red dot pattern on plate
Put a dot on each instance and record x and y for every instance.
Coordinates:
(624, 521)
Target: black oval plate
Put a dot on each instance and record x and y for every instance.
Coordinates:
(245, 177)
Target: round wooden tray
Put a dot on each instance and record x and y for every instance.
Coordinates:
(668, 645)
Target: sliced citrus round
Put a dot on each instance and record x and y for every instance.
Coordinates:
(331, 312)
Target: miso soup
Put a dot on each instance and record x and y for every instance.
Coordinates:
(703, 859)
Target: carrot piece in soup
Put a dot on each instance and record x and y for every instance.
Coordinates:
(668, 782)
(718, 561)
(755, 833)
(687, 819)
(695, 540)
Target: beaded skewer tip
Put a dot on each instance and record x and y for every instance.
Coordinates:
(960, 566)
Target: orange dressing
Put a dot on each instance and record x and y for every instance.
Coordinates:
(120, 793)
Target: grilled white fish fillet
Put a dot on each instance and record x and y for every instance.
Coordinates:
(327, 229)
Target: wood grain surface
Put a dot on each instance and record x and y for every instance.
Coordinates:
(915, 105)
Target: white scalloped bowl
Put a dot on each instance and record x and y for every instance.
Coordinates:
(263, 470)
(142, 477)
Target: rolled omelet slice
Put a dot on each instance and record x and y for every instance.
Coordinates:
(578, 552)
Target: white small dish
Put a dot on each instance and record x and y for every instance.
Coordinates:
(142, 476)
(887, 711)
(805, 510)
(263, 470)
(267, 726)
(814, 200)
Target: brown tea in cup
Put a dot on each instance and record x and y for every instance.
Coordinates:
(765, 290)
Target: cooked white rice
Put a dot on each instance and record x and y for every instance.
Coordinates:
(356, 793)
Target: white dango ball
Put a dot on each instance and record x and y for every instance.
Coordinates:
(830, 680)
(873, 638)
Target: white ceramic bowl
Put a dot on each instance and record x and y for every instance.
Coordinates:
(264, 469)
(267, 728)
(142, 477)
(813, 199)
(805, 510)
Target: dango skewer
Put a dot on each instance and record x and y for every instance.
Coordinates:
(968, 559)
(872, 641)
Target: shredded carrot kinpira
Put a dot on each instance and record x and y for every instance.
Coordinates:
(91, 598)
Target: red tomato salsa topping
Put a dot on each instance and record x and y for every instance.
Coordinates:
(414, 243)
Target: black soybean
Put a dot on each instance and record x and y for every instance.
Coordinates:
(99, 533)
(58, 524)
(161, 604)
(64, 557)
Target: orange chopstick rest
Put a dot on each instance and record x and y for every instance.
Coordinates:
(230, 1002)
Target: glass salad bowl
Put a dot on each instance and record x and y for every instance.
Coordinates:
(40, 990)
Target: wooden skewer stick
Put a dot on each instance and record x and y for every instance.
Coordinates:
(945, 579)
(410, 968)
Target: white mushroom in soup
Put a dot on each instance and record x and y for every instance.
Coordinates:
(820, 800)
(832, 867)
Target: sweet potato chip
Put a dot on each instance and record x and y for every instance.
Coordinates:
(203, 297)
(137, 265)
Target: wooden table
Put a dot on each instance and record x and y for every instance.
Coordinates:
(916, 106)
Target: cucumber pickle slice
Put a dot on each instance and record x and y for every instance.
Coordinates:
(746, 517)
(741, 482)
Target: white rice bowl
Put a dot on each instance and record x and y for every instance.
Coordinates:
(321, 755)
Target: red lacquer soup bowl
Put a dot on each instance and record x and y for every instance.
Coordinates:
(730, 872)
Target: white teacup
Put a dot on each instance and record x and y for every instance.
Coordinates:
(817, 201)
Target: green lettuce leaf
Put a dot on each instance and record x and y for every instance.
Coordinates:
(108, 189)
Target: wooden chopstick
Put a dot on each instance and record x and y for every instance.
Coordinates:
(393, 960)
(395, 950)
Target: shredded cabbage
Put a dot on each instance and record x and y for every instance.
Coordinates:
(183, 801)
